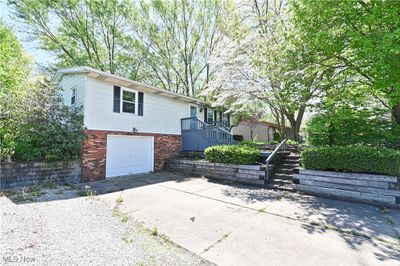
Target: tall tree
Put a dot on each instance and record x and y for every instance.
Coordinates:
(176, 39)
(81, 32)
(357, 37)
(262, 58)
(15, 69)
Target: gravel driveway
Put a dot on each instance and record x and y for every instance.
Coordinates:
(60, 228)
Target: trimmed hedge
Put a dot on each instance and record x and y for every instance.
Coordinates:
(232, 154)
(353, 159)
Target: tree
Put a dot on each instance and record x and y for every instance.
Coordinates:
(360, 39)
(261, 57)
(176, 39)
(165, 43)
(15, 68)
(250, 115)
(82, 32)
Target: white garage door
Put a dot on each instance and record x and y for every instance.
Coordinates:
(129, 155)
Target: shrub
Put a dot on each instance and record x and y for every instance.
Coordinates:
(347, 126)
(353, 159)
(277, 137)
(252, 143)
(232, 154)
(46, 129)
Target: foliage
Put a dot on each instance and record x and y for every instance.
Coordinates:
(277, 137)
(353, 159)
(250, 115)
(165, 43)
(175, 40)
(260, 57)
(14, 71)
(358, 40)
(347, 126)
(252, 143)
(49, 130)
(232, 154)
(292, 142)
(81, 32)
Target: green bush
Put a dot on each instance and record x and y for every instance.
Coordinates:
(277, 136)
(346, 126)
(232, 154)
(252, 143)
(42, 127)
(359, 159)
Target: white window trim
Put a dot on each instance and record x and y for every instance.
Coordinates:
(73, 94)
(122, 101)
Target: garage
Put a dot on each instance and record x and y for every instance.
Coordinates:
(128, 155)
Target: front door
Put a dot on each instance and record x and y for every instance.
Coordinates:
(193, 111)
(193, 114)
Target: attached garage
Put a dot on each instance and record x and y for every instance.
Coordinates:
(128, 155)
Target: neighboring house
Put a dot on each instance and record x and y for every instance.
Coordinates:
(130, 127)
(260, 131)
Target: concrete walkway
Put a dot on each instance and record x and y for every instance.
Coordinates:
(239, 225)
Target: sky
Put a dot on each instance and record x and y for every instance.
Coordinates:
(39, 56)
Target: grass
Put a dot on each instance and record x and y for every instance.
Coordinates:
(49, 185)
(125, 237)
(25, 194)
(154, 231)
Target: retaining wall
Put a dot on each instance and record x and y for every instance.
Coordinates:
(250, 174)
(379, 190)
(15, 174)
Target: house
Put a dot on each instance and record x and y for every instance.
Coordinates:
(260, 131)
(132, 127)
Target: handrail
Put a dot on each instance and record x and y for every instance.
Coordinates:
(269, 159)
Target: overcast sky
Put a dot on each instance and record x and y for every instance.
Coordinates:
(39, 56)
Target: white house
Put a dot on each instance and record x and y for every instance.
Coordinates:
(130, 127)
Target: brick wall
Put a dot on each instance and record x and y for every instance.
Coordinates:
(94, 151)
(15, 174)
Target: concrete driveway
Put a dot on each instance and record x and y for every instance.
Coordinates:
(231, 224)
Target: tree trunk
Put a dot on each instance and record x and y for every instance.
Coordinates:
(396, 113)
(295, 123)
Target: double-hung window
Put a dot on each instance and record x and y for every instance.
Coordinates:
(128, 101)
(73, 96)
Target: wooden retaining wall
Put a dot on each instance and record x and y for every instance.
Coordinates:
(250, 174)
(378, 190)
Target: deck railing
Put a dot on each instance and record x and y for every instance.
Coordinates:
(197, 135)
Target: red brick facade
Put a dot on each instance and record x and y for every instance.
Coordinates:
(95, 146)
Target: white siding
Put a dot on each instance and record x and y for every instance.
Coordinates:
(160, 114)
(70, 81)
(261, 132)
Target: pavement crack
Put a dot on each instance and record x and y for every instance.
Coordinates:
(225, 236)
(347, 231)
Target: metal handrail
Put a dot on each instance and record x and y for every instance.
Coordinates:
(269, 159)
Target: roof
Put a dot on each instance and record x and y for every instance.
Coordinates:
(265, 123)
(111, 78)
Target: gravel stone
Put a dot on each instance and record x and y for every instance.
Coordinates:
(60, 228)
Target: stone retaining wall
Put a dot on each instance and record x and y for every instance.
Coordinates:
(250, 174)
(17, 174)
(379, 190)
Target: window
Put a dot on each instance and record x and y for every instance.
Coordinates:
(128, 101)
(210, 115)
(73, 96)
